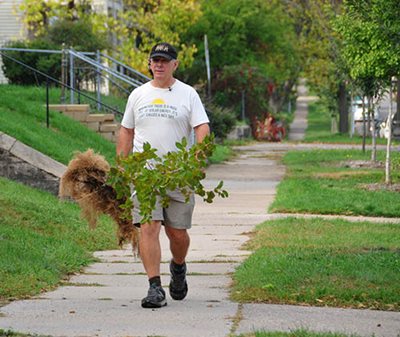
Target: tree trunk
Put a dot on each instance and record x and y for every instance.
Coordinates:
(334, 127)
(281, 96)
(343, 109)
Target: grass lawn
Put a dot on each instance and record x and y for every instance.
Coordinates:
(23, 116)
(322, 263)
(42, 240)
(318, 181)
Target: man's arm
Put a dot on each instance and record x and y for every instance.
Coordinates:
(125, 141)
(201, 132)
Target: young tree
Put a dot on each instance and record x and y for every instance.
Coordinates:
(371, 49)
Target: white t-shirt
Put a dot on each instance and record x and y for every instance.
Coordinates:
(163, 117)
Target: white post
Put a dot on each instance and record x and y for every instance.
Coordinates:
(389, 139)
(71, 77)
(207, 55)
(98, 78)
(352, 126)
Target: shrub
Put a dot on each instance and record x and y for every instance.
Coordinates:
(222, 120)
(76, 34)
(49, 64)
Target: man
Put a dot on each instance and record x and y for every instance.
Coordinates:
(162, 112)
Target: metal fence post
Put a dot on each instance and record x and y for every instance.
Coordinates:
(243, 105)
(47, 104)
(71, 76)
(63, 73)
(98, 77)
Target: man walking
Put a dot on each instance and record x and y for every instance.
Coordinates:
(161, 112)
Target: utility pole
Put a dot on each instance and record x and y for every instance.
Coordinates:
(207, 55)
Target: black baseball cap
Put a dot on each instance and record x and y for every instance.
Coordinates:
(164, 50)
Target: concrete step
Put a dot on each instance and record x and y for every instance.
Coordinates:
(104, 124)
(111, 136)
(79, 112)
(109, 127)
(100, 118)
(70, 107)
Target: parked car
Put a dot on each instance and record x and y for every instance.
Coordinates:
(357, 110)
(357, 118)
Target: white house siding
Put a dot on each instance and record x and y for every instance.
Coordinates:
(11, 27)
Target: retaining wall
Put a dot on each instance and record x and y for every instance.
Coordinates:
(21, 163)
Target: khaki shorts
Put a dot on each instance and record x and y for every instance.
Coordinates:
(177, 215)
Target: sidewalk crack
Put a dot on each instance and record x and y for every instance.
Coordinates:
(236, 320)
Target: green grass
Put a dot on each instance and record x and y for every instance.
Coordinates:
(322, 263)
(296, 333)
(319, 182)
(23, 116)
(319, 128)
(224, 151)
(220, 154)
(42, 240)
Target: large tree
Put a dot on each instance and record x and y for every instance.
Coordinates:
(143, 23)
(253, 53)
(321, 59)
(39, 14)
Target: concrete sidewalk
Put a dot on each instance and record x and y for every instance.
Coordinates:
(104, 300)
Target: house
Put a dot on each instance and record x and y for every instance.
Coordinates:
(11, 27)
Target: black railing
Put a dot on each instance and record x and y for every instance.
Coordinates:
(50, 79)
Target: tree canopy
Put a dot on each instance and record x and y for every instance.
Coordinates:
(371, 38)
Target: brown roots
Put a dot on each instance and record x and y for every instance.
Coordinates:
(85, 182)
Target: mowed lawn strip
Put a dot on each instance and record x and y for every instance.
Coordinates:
(296, 333)
(322, 263)
(321, 182)
(42, 240)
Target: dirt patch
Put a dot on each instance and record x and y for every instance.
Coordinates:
(381, 187)
(272, 156)
(338, 175)
(363, 164)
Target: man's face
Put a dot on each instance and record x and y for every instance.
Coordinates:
(162, 68)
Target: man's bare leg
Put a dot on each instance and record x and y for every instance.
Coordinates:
(150, 249)
(179, 244)
(150, 252)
